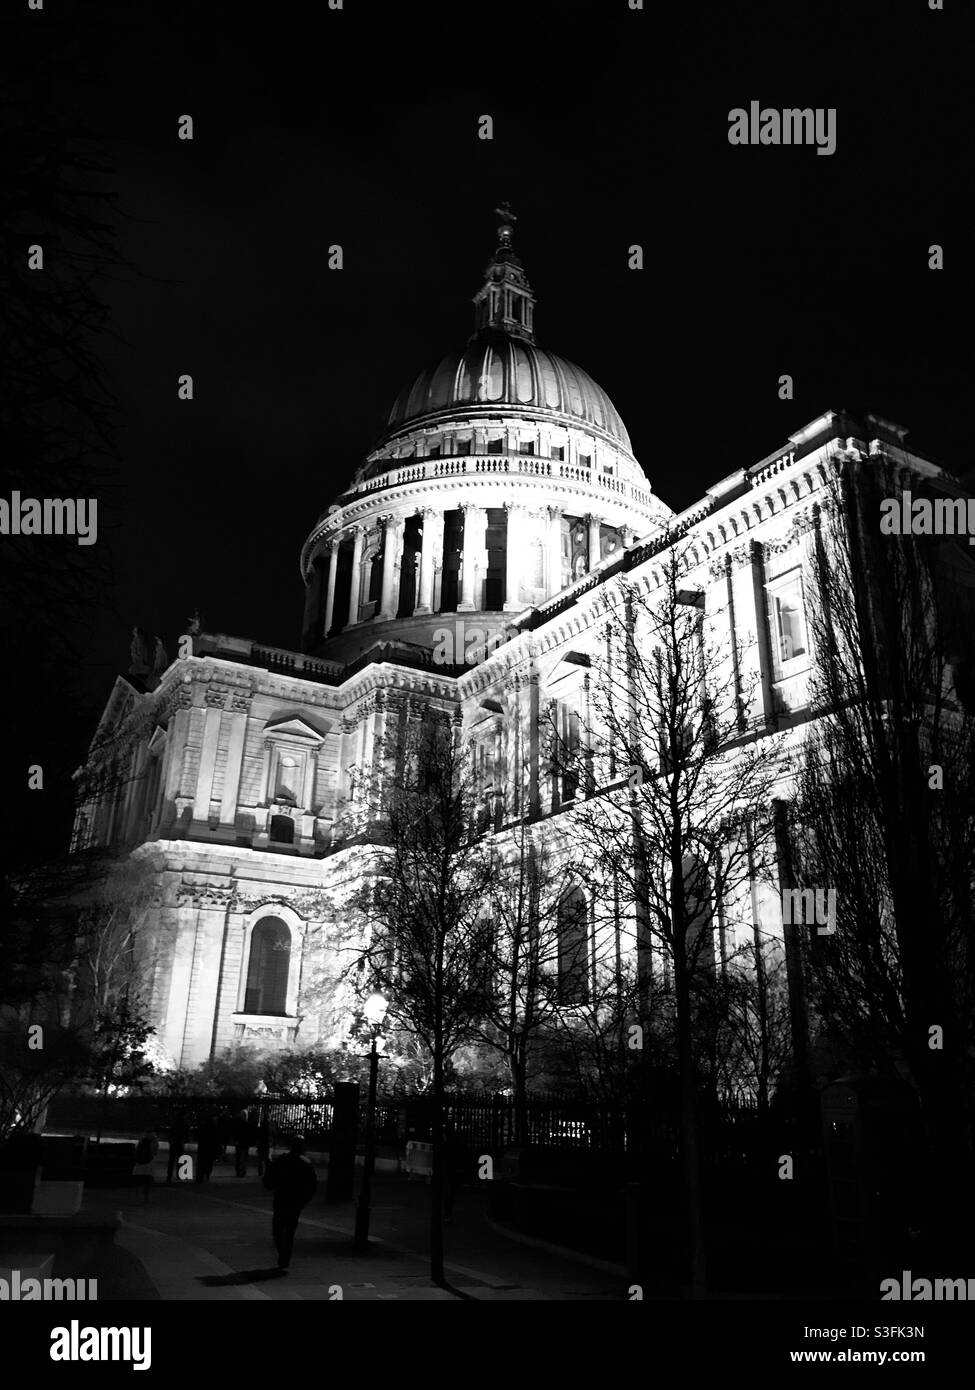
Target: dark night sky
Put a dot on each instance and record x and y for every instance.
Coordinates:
(359, 127)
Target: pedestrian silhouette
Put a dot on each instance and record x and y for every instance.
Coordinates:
(263, 1145)
(225, 1132)
(145, 1153)
(207, 1147)
(242, 1142)
(179, 1132)
(292, 1180)
(452, 1162)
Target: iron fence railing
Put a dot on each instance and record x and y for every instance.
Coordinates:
(730, 1130)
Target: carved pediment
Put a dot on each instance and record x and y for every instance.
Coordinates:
(121, 702)
(297, 726)
(568, 674)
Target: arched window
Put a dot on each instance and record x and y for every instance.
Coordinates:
(573, 948)
(267, 969)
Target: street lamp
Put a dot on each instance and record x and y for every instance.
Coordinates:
(375, 1011)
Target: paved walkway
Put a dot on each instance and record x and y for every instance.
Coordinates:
(212, 1241)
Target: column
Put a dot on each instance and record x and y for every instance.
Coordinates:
(554, 550)
(355, 589)
(313, 603)
(594, 548)
(135, 774)
(392, 556)
(431, 542)
(204, 986)
(767, 710)
(333, 564)
(208, 761)
(231, 776)
(379, 757)
(183, 938)
(534, 754)
(176, 738)
(587, 737)
(474, 526)
(513, 561)
(513, 772)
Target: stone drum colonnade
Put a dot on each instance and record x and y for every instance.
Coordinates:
(466, 558)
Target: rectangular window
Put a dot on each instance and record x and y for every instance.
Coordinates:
(484, 780)
(287, 780)
(434, 451)
(527, 447)
(516, 770)
(462, 446)
(558, 451)
(495, 446)
(573, 943)
(789, 638)
(568, 752)
(585, 460)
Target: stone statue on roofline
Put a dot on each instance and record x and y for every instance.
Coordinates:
(147, 657)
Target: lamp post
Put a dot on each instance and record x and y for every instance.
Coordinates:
(375, 1011)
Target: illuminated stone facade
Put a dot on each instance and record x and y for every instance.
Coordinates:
(473, 564)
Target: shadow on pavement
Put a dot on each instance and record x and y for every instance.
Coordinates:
(457, 1293)
(239, 1276)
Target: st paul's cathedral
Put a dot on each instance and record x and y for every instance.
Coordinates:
(469, 566)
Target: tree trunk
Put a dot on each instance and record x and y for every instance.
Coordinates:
(690, 1147)
(436, 1184)
(521, 1096)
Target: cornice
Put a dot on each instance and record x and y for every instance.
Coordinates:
(310, 903)
(388, 676)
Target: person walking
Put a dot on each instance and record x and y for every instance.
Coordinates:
(242, 1142)
(145, 1154)
(292, 1180)
(263, 1145)
(225, 1132)
(207, 1147)
(179, 1133)
(452, 1159)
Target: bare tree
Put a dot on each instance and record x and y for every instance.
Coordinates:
(428, 945)
(743, 1021)
(884, 812)
(57, 410)
(78, 964)
(678, 813)
(523, 1005)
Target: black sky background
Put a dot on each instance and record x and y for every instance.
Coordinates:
(359, 127)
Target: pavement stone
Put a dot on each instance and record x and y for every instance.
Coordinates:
(212, 1242)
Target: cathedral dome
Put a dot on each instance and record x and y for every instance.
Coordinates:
(499, 368)
(503, 475)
